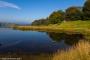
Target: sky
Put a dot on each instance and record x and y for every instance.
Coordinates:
(26, 11)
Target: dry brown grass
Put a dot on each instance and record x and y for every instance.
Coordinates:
(80, 52)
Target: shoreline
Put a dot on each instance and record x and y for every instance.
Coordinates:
(52, 29)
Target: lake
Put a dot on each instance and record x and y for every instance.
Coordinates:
(16, 41)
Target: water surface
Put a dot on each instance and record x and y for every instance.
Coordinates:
(34, 41)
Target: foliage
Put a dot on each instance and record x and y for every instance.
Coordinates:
(73, 13)
(56, 17)
(86, 10)
(40, 22)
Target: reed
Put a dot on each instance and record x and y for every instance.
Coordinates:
(79, 52)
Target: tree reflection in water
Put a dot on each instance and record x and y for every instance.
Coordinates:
(69, 39)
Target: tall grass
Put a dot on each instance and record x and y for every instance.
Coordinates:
(79, 52)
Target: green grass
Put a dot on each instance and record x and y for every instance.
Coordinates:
(83, 25)
(75, 24)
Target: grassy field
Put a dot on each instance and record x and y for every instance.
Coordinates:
(75, 24)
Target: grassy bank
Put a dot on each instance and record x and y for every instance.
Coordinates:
(66, 26)
(81, 51)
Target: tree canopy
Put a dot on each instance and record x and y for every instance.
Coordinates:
(56, 17)
(73, 13)
(86, 10)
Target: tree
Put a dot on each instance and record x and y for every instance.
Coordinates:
(40, 22)
(73, 13)
(86, 10)
(56, 17)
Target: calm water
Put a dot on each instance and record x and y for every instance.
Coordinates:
(34, 41)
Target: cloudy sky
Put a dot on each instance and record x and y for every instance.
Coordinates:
(29, 10)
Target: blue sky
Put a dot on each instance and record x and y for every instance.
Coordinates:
(29, 10)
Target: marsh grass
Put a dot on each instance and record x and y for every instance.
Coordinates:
(79, 52)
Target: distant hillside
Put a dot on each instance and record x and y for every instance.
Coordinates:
(2, 24)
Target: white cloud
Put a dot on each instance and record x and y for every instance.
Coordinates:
(7, 4)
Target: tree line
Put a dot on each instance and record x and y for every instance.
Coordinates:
(70, 14)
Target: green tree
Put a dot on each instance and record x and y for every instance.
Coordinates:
(56, 17)
(73, 13)
(40, 22)
(86, 10)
